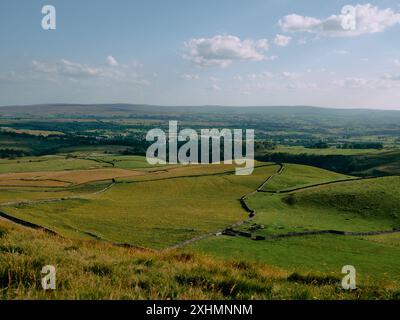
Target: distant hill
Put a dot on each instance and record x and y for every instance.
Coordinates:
(137, 110)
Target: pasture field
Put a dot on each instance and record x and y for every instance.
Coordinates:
(125, 162)
(43, 133)
(157, 209)
(65, 178)
(28, 194)
(375, 258)
(297, 176)
(359, 206)
(73, 161)
(324, 152)
(95, 200)
(47, 163)
(94, 270)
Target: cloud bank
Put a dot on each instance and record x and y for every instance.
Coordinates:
(222, 50)
(368, 19)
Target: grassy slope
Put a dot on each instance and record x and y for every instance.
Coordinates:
(326, 151)
(295, 176)
(154, 213)
(79, 161)
(92, 270)
(21, 194)
(376, 258)
(47, 163)
(136, 221)
(363, 205)
(376, 199)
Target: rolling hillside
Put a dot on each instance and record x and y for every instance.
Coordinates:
(140, 207)
(93, 270)
(103, 202)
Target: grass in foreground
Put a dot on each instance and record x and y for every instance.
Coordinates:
(92, 270)
(376, 258)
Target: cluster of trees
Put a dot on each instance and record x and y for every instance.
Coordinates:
(11, 153)
(319, 145)
(264, 145)
(349, 164)
(346, 145)
(361, 145)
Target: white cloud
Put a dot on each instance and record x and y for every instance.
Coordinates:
(368, 19)
(396, 62)
(214, 87)
(352, 82)
(393, 77)
(77, 71)
(302, 86)
(271, 58)
(214, 79)
(278, 85)
(302, 41)
(281, 40)
(386, 82)
(222, 50)
(112, 62)
(259, 76)
(340, 52)
(190, 76)
(67, 68)
(238, 78)
(290, 75)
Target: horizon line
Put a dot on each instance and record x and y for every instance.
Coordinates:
(204, 105)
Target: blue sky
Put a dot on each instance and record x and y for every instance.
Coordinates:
(186, 52)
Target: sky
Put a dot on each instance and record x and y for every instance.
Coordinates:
(329, 53)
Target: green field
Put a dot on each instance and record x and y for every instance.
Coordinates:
(360, 205)
(73, 161)
(152, 211)
(95, 270)
(374, 261)
(326, 151)
(47, 163)
(163, 206)
(297, 176)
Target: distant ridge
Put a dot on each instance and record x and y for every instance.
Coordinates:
(124, 110)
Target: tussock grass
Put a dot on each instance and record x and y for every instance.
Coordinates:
(314, 279)
(95, 270)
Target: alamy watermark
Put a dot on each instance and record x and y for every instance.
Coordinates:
(49, 280)
(349, 18)
(202, 149)
(49, 19)
(349, 280)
